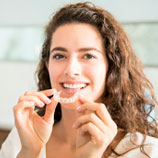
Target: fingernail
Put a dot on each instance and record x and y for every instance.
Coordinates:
(48, 101)
(32, 103)
(78, 108)
(41, 103)
(81, 95)
(52, 90)
(74, 126)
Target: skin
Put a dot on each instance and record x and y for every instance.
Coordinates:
(74, 58)
(86, 127)
(34, 131)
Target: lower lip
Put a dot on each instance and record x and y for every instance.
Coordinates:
(72, 91)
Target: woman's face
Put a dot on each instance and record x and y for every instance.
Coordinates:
(77, 61)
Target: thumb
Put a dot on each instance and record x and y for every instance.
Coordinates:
(50, 109)
(82, 99)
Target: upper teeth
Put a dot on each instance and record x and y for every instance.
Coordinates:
(74, 85)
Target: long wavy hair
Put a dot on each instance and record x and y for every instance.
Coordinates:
(126, 84)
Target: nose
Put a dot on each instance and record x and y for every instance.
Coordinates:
(73, 68)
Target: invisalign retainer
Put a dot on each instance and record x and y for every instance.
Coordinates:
(57, 98)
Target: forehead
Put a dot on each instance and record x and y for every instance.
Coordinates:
(77, 35)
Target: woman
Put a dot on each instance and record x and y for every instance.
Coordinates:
(86, 53)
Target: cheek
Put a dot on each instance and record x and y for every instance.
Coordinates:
(97, 76)
(54, 73)
(99, 79)
(51, 76)
(98, 72)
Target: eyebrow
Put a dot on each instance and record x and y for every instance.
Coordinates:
(59, 49)
(80, 50)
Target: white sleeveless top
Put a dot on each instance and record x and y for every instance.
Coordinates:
(11, 147)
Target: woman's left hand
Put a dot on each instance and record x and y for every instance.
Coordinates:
(95, 130)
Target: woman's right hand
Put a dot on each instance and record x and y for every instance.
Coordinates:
(34, 130)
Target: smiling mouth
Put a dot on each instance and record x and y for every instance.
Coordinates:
(71, 88)
(74, 86)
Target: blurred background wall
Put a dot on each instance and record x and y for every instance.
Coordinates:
(21, 34)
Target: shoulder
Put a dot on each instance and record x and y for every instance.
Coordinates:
(131, 142)
(11, 145)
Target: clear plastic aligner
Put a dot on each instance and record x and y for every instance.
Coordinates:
(57, 98)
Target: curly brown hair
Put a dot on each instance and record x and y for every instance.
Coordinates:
(126, 83)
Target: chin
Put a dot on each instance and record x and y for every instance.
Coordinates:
(71, 106)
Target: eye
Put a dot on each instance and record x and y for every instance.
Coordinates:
(58, 56)
(89, 56)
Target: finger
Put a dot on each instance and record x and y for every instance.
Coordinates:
(25, 104)
(49, 92)
(50, 109)
(23, 111)
(92, 117)
(97, 136)
(83, 100)
(34, 99)
(43, 95)
(99, 108)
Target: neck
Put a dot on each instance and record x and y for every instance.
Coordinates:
(65, 132)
